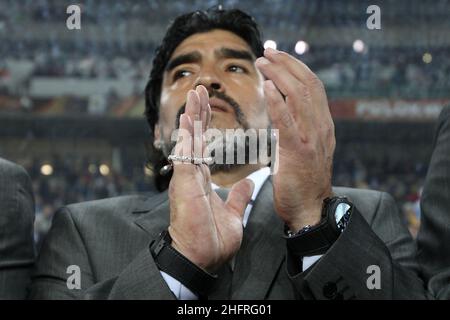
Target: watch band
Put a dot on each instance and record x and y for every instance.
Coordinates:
(318, 239)
(179, 267)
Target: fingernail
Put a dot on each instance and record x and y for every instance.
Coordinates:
(192, 93)
(262, 61)
(271, 51)
(186, 118)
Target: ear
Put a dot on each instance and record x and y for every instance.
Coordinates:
(157, 136)
(157, 132)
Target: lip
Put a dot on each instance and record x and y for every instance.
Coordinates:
(219, 105)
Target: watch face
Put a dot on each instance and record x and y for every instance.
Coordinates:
(341, 210)
(342, 215)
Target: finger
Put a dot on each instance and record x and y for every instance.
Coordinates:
(298, 98)
(240, 196)
(284, 81)
(279, 115)
(193, 105)
(204, 118)
(192, 110)
(205, 112)
(302, 73)
(321, 114)
(183, 146)
(298, 69)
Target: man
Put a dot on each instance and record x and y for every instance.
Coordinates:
(434, 234)
(16, 230)
(299, 240)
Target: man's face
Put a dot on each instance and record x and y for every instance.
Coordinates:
(224, 63)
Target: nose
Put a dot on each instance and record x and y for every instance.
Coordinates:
(211, 81)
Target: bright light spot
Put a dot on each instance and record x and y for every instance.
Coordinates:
(46, 169)
(358, 46)
(427, 57)
(270, 44)
(92, 168)
(104, 170)
(148, 171)
(301, 47)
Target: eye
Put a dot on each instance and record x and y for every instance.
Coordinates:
(237, 69)
(181, 74)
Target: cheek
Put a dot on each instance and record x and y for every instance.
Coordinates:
(257, 112)
(169, 106)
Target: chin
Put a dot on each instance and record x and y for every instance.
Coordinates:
(215, 168)
(222, 121)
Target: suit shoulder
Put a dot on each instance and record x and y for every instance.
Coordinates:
(121, 205)
(15, 184)
(106, 203)
(367, 201)
(445, 114)
(12, 169)
(360, 194)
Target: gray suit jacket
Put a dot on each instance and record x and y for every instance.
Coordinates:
(16, 230)
(434, 234)
(109, 240)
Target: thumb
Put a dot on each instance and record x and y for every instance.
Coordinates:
(240, 196)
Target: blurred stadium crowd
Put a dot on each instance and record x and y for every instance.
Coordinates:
(102, 69)
(84, 59)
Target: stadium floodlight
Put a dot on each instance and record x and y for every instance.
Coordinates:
(148, 171)
(358, 46)
(46, 169)
(270, 44)
(427, 57)
(301, 47)
(92, 168)
(104, 170)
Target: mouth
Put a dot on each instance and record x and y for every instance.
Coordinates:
(218, 105)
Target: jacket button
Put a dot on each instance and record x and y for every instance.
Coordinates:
(330, 290)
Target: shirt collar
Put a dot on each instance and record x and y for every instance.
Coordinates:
(258, 177)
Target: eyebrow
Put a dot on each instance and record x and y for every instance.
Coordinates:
(190, 57)
(227, 53)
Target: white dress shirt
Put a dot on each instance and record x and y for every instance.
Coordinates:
(258, 177)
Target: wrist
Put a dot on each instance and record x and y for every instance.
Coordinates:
(314, 240)
(310, 215)
(175, 264)
(313, 218)
(206, 266)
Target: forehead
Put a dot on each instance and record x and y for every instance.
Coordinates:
(210, 41)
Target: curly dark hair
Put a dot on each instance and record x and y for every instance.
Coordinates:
(233, 20)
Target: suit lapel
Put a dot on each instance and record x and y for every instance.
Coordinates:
(262, 251)
(155, 216)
